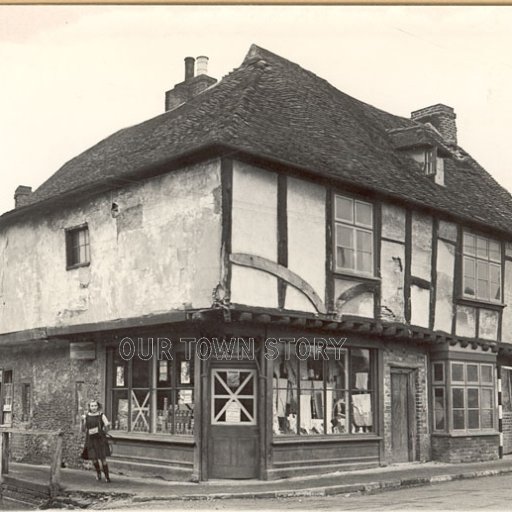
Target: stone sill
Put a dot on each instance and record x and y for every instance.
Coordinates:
(324, 439)
(152, 438)
(466, 434)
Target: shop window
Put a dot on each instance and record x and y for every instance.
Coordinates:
(154, 395)
(353, 235)
(470, 388)
(481, 268)
(313, 395)
(6, 396)
(77, 247)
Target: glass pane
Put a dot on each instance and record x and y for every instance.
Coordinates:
(364, 251)
(345, 258)
(482, 289)
(337, 375)
(487, 419)
(141, 369)
(218, 387)
(438, 372)
(219, 405)
(248, 387)
(164, 409)
(311, 412)
(473, 401)
(360, 369)
(140, 410)
(185, 370)
(494, 251)
(362, 412)
(487, 400)
(486, 373)
(481, 247)
(495, 291)
(120, 409)
(184, 412)
(469, 286)
(469, 244)
(120, 372)
(337, 421)
(363, 214)
(247, 410)
(458, 420)
(474, 418)
(365, 262)
(439, 409)
(344, 209)
(469, 267)
(458, 398)
(457, 372)
(472, 372)
(284, 411)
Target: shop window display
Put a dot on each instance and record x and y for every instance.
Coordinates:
(153, 396)
(315, 395)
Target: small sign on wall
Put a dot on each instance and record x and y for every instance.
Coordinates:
(84, 350)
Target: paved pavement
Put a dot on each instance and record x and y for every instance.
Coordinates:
(81, 484)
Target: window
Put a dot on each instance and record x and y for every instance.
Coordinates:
(430, 161)
(77, 247)
(313, 396)
(6, 396)
(470, 387)
(353, 235)
(153, 396)
(481, 268)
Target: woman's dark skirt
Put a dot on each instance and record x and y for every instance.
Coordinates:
(96, 447)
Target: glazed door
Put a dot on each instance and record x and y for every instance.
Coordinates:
(402, 415)
(234, 441)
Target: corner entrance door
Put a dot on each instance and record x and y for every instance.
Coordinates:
(234, 441)
(403, 424)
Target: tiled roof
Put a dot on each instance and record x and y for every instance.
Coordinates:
(273, 108)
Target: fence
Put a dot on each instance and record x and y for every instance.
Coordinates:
(56, 459)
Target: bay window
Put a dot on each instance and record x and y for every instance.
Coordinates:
(313, 395)
(463, 396)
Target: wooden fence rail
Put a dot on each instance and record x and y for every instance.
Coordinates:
(5, 435)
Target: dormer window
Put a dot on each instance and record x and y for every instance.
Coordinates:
(430, 161)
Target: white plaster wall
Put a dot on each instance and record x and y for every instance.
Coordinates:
(361, 305)
(420, 306)
(444, 286)
(392, 273)
(506, 327)
(254, 231)
(421, 246)
(466, 322)
(306, 237)
(393, 222)
(161, 253)
(295, 300)
(448, 230)
(488, 324)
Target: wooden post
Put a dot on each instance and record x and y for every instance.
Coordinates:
(55, 467)
(4, 454)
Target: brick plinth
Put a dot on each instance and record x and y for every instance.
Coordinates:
(457, 449)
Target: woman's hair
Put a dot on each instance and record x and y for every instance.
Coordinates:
(93, 401)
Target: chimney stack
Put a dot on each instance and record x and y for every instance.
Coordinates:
(442, 118)
(202, 65)
(189, 68)
(192, 85)
(22, 195)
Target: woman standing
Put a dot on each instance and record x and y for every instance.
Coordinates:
(96, 445)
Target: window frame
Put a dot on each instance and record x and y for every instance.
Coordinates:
(174, 387)
(3, 395)
(450, 385)
(355, 227)
(348, 391)
(71, 245)
(474, 258)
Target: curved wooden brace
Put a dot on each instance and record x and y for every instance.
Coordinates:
(265, 265)
(358, 289)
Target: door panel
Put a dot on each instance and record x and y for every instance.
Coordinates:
(400, 417)
(234, 442)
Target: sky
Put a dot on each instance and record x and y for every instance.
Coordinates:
(72, 75)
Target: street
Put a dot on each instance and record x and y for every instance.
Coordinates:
(490, 493)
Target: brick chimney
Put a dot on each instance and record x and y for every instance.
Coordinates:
(192, 85)
(22, 195)
(442, 118)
